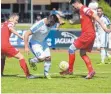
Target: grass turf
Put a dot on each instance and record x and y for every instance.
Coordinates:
(101, 83)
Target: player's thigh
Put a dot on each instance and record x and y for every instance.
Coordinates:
(10, 51)
(37, 49)
(47, 52)
(84, 41)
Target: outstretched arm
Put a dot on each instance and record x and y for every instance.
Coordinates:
(101, 23)
(15, 32)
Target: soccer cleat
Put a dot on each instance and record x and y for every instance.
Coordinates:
(32, 65)
(66, 73)
(48, 76)
(90, 75)
(31, 76)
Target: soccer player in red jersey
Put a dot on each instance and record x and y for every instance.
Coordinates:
(7, 49)
(86, 39)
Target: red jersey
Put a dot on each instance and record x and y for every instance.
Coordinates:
(87, 37)
(6, 48)
(86, 19)
(5, 32)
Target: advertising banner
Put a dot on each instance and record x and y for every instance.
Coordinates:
(55, 39)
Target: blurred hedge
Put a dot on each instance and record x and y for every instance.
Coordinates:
(107, 12)
(106, 8)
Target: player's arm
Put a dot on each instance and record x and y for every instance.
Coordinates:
(15, 32)
(90, 13)
(101, 23)
(26, 38)
(110, 26)
(108, 22)
(32, 30)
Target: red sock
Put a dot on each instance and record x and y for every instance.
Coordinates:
(88, 63)
(71, 62)
(24, 67)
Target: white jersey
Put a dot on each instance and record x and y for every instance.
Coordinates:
(40, 31)
(102, 36)
(105, 20)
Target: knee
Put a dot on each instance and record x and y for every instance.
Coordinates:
(20, 56)
(48, 58)
(44, 59)
(72, 49)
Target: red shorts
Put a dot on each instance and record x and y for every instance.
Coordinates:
(9, 50)
(85, 41)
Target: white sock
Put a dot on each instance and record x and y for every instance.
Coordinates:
(34, 60)
(47, 66)
(103, 55)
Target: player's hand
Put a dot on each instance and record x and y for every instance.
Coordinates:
(108, 30)
(27, 50)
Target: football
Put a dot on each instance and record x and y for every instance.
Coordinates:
(63, 65)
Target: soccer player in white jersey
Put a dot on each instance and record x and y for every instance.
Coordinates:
(37, 43)
(103, 37)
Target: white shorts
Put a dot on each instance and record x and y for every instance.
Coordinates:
(40, 50)
(102, 40)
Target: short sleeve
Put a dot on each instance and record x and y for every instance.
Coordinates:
(36, 26)
(88, 11)
(10, 24)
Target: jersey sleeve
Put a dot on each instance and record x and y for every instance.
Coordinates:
(36, 26)
(10, 24)
(88, 11)
(107, 21)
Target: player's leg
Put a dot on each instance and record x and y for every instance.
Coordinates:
(32, 62)
(24, 66)
(47, 62)
(103, 55)
(88, 64)
(71, 51)
(13, 52)
(22, 63)
(3, 57)
(103, 45)
(108, 59)
(37, 51)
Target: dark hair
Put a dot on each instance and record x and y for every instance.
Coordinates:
(52, 19)
(73, 1)
(100, 8)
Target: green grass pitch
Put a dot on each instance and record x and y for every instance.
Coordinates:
(101, 83)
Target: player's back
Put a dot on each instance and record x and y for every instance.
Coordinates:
(40, 31)
(86, 20)
(5, 32)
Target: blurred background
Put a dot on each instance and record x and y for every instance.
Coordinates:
(31, 10)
